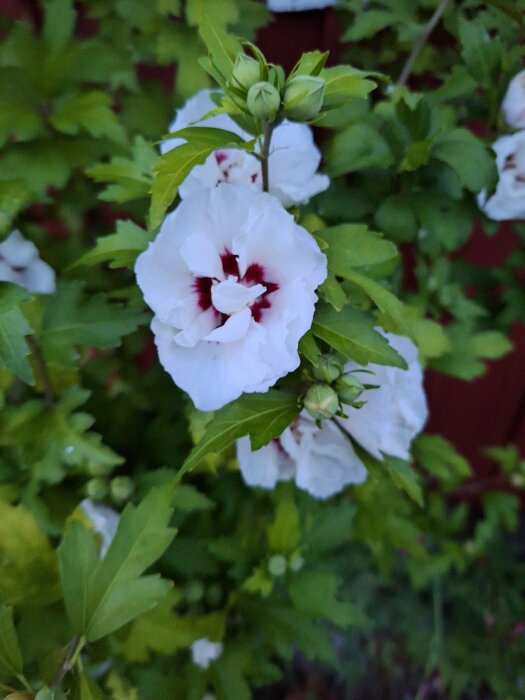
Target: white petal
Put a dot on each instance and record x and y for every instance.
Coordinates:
(199, 328)
(230, 296)
(513, 104)
(203, 652)
(18, 251)
(38, 277)
(105, 521)
(201, 256)
(264, 467)
(297, 5)
(234, 329)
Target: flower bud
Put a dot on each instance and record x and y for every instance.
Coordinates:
(321, 401)
(96, 489)
(194, 591)
(303, 97)
(349, 388)
(296, 562)
(246, 71)
(121, 488)
(277, 565)
(328, 369)
(263, 101)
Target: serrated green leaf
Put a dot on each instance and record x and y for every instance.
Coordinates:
(120, 249)
(354, 246)
(404, 477)
(468, 157)
(359, 146)
(14, 195)
(102, 595)
(11, 662)
(308, 348)
(314, 593)
(59, 23)
(222, 47)
(221, 11)
(261, 416)
(284, 533)
(91, 111)
(344, 83)
(352, 333)
(440, 458)
(227, 675)
(70, 320)
(385, 301)
(468, 348)
(332, 291)
(14, 328)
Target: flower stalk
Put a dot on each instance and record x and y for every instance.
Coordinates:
(265, 155)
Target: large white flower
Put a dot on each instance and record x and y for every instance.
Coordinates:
(20, 264)
(293, 162)
(508, 201)
(322, 460)
(104, 520)
(513, 104)
(297, 5)
(231, 278)
(203, 652)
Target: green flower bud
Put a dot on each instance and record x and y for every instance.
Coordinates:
(121, 488)
(277, 565)
(303, 97)
(328, 369)
(263, 101)
(96, 489)
(321, 401)
(194, 591)
(349, 388)
(296, 562)
(246, 72)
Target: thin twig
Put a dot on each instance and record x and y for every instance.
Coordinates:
(75, 647)
(265, 154)
(421, 41)
(41, 369)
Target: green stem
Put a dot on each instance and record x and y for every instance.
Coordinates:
(24, 682)
(41, 370)
(265, 154)
(72, 657)
(421, 41)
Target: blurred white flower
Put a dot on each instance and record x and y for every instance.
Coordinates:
(203, 652)
(293, 162)
(513, 104)
(297, 5)
(104, 520)
(20, 264)
(322, 460)
(508, 201)
(231, 279)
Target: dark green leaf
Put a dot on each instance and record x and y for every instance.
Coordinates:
(10, 655)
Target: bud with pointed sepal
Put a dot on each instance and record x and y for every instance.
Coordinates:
(303, 97)
(328, 369)
(263, 101)
(121, 488)
(246, 72)
(349, 388)
(321, 401)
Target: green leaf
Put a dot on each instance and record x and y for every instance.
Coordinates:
(47, 693)
(284, 533)
(508, 8)
(314, 593)
(28, 566)
(120, 249)
(13, 329)
(188, 499)
(331, 528)
(58, 24)
(14, 195)
(128, 178)
(395, 217)
(308, 348)
(404, 477)
(429, 336)
(440, 458)
(70, 320)
(352, 333)
(344, 83)
(222, 47)
(385, 301)
(468, 157)
(102, 595)
(91, 111)
(220, 11)
(227, 675)
(261, 416)
(354, 246)
(449, 221)
(11, 662)
(359, 146)
(332, 292)
(86, 689)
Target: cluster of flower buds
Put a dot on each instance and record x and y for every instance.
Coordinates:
(334, 387)
(262, 90)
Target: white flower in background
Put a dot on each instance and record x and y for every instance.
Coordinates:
(20, 264)
(104, 520)
(292, 164)
(513, 104)
(322, 460)
(231, 279)
(297, 5)
(508, 201)
(203, 652)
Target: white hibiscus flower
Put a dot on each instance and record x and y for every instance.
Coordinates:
(322, 460)
(20, 264)
(513, 104)
(297, 5)
(231, 279)
(508, 201)
(293, 161)
(104, 520)
(203, 652)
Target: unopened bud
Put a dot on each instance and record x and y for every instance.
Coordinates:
(277, 565)
(321, 401)
(329, 367)
(194, 591)
(96, 489)
(296, 562)
(246, 71)
(349, 388)
(303, 97)
(263, 101)
(121, 488)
